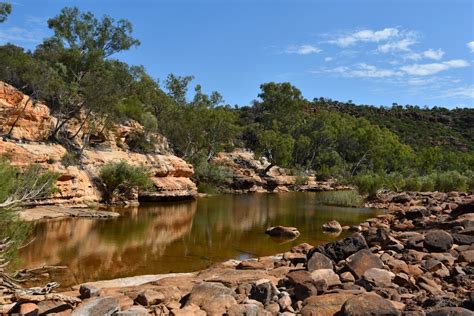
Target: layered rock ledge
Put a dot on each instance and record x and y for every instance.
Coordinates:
(417, 259)
(26, 127)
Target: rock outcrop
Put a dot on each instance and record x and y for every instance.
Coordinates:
(250, 174)
(27, 143)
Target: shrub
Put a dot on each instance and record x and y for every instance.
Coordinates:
(121, 179)
(413, 183)
(16, 187)
(427, 183)
(341, 198)
(70, 159)
(451, 181)
(210, 176)
(368, 183)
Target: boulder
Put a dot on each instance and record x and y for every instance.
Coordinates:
(319, 261)
(341, 249)
(332, 226)
(302, 284)
(369, 304)
(438, 241)
(204, 293)
(328, 275)
(378, 277)
(361, 261)
(283, 232)
(263, 291)
(325, 305)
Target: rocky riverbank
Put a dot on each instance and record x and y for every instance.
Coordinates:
(417, 259)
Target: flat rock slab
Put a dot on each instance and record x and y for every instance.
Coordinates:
(135, 281)
(52, 212)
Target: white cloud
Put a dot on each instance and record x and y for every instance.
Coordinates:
(328, 59)
(365, 36)
(470, 45)
(20, 35)
(364, 70)
(466, 92)
(400, 45)
(431, 69)
(302, 49)
(430, 54)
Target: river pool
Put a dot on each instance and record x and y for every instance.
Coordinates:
(181, 236)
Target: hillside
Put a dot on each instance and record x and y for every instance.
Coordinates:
(417, 127)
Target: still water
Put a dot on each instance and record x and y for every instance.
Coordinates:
(181, 236)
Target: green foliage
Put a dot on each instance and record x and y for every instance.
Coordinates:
(348, 198)
(368, 184)
(120, 179)
(17, 187)
(140, 142)
(211, 177)
(70, 159)
(5, 10)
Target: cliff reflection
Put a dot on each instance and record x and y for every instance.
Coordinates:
(181, 236)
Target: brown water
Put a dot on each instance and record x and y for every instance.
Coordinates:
(181, 236)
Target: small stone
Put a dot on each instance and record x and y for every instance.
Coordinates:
(369, 304)
(284, 301)
(319, 261)
(438, 241)
(273, 308)
(294, 258)
(88, 291)
(362, 261)
(429, 285)
(150, 297)
(467, 256)
(347, 277)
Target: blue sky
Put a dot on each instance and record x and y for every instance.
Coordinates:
(371, 52)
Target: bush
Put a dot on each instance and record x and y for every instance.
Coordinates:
(451, 181)
(428, 183)
(121, 179)
(368, 183)
(70, 159)
(16, 187)
(348, 198)
(413, 183)
(210, 176)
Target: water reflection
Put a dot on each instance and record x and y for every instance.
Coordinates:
(181, 236)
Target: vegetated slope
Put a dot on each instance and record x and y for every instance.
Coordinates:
(417, 127)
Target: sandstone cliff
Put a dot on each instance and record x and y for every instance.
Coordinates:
(28, 143)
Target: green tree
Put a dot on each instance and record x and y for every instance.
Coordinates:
(5, 11)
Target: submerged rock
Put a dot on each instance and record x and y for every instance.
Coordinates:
(282, 231)
(332, 226)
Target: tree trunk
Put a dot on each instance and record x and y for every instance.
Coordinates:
(18, 117)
